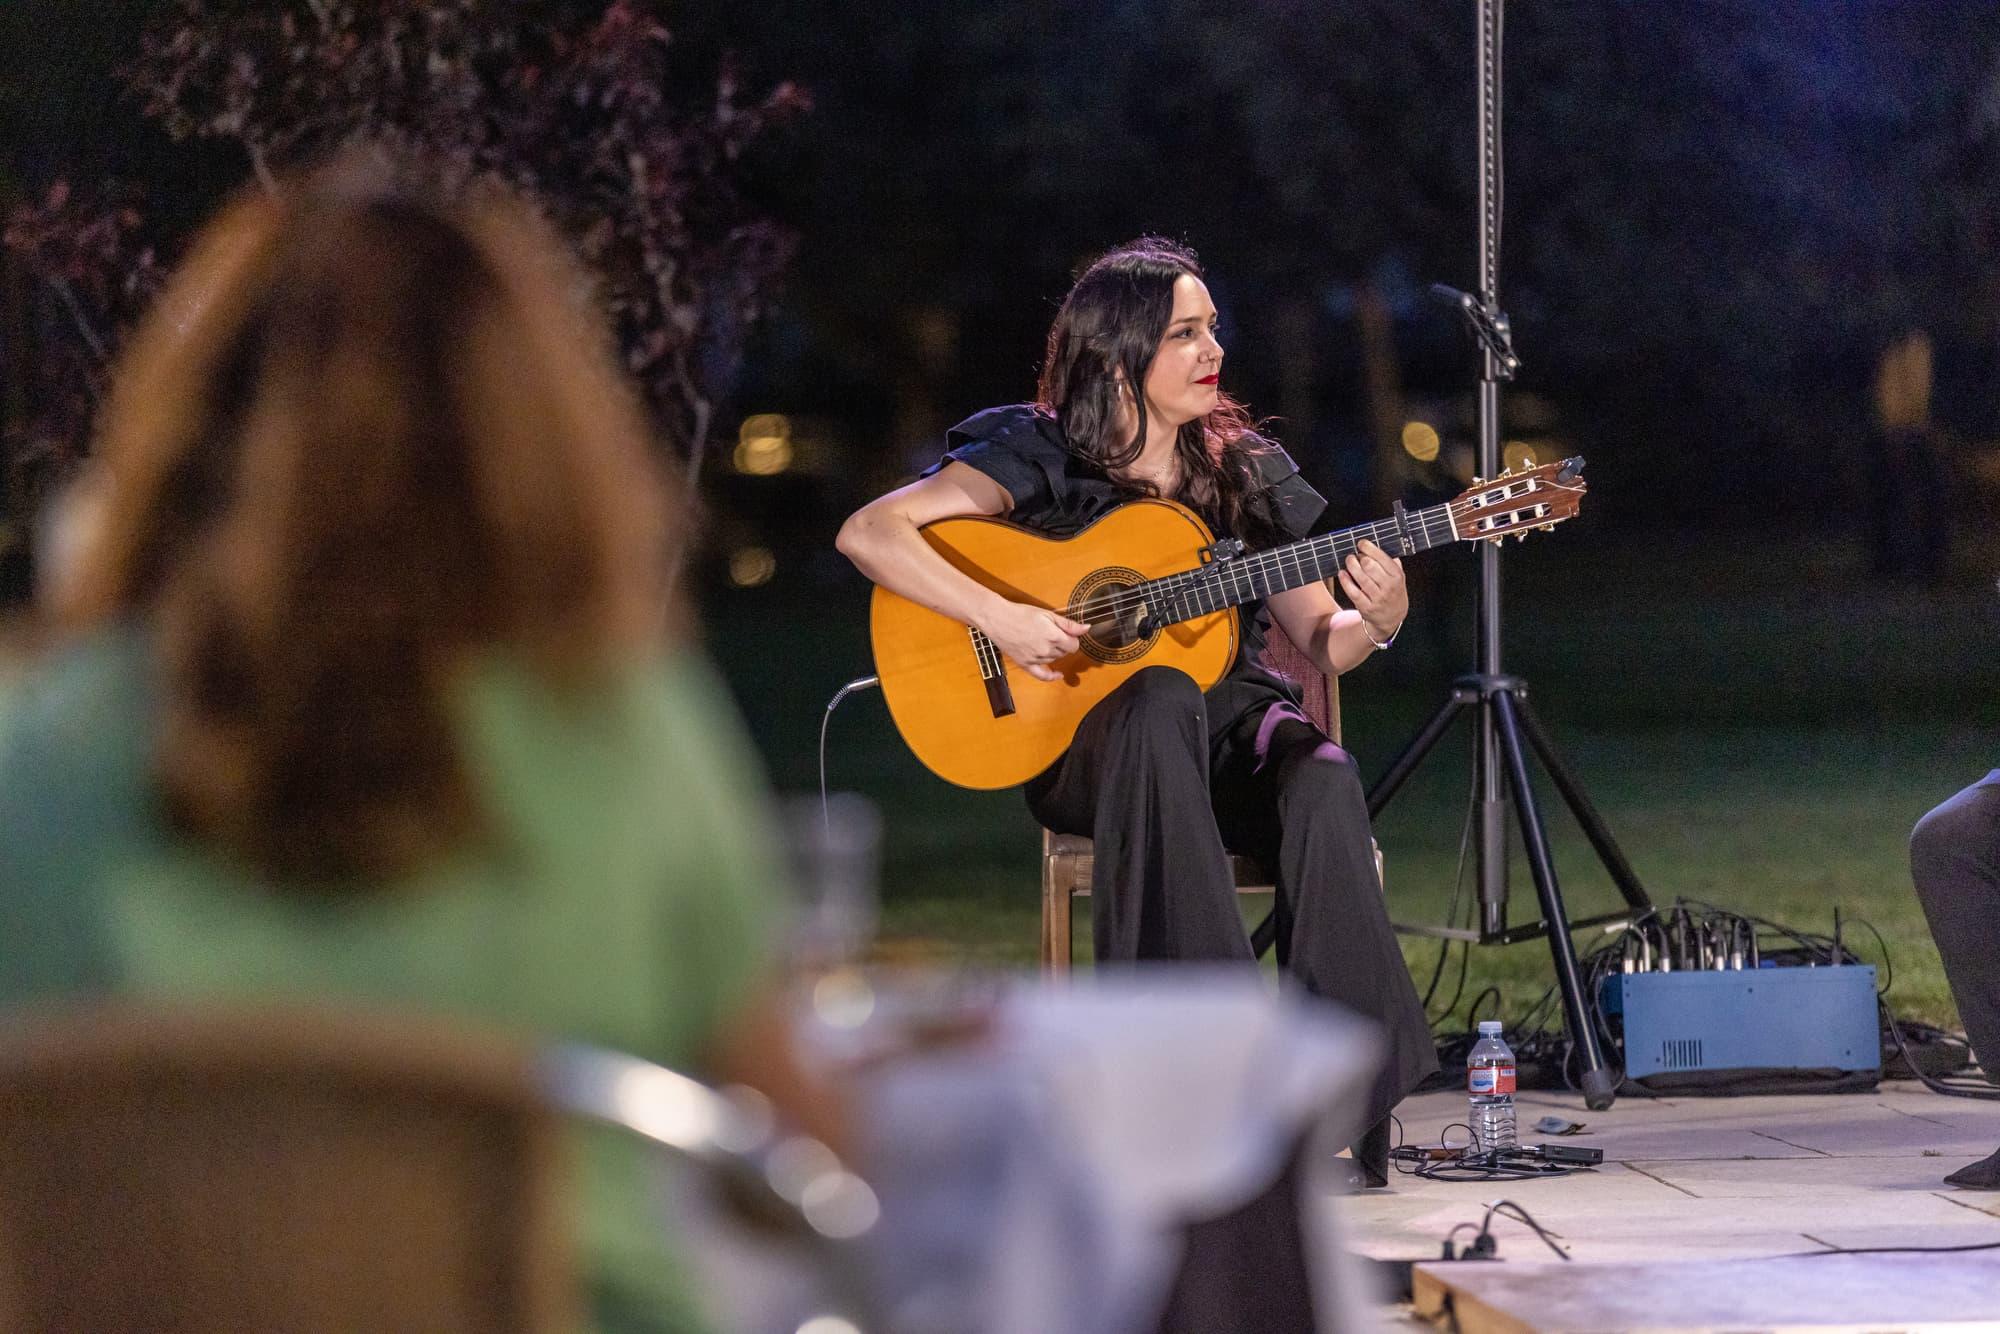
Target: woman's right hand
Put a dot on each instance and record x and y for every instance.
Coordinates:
(1033, 636)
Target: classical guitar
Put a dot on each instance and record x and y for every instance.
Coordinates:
(1156, 588)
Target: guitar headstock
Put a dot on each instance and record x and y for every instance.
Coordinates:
(1519, 501)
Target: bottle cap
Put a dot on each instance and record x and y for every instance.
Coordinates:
(1489, 1028)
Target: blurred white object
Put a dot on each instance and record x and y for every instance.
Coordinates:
(1186, 1091)
(1040, 1181)
(836, 861)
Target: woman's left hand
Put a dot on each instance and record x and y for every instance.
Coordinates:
(1373, 582)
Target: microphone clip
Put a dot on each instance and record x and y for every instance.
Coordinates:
(1489, 325)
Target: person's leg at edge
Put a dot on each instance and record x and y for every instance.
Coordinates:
(1293, 799)
(1955, 867)
(1135, 780)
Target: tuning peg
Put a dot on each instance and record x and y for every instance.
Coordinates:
(1477, 480)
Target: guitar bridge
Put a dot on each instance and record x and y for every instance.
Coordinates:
(993, 672)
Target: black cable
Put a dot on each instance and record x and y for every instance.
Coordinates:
(1529, 1025)
(1437, 970)
(1932, 1035)
(1597, 965)
(1930, 1081)
(1502, 1207)
(1451, 913)
(1823, 945)
(1483, 1167)
(1462, 1163)
(1889, 1250)
(1472, 1010)
(1888, 964)
(1450, 921)
(1600, 965)
(1458, 987)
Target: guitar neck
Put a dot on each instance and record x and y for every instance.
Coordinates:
(1259, 574)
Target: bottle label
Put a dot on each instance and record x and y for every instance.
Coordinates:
(1490, 1081)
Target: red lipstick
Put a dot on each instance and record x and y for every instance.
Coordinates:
(1210, 379)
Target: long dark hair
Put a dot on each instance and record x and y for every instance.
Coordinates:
(1113, 320)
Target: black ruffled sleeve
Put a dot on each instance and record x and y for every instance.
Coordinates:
(1021, 447)
(1018, 446)
(1289, 503)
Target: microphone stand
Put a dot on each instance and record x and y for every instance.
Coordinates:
(1503, 716)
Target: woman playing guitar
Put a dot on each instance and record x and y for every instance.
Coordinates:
(1165, 778)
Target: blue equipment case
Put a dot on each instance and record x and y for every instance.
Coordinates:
(1820, 1018)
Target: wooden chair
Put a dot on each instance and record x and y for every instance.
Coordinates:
(296, 1170)
(274, 1171)
(1067, 858)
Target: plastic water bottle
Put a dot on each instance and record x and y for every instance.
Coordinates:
(1489, 1079)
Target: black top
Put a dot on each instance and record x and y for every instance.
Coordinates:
(1058, 492)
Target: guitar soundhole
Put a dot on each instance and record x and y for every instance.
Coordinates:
(1105, 600)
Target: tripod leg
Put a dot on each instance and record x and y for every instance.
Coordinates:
(1586, 814)
(1489, 781)
(1598, 1089)
(1413, 754)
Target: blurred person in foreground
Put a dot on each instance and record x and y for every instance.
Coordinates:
(373, 690)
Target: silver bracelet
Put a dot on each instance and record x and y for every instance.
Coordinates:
(1369, 634)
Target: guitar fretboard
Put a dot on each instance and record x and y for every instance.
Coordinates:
(1239, 579)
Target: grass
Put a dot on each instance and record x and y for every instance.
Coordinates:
(1758, 725)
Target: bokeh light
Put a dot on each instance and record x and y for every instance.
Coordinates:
(764, 445)
(1420, 440)
(752, 567)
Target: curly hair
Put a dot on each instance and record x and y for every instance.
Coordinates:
(365, 438)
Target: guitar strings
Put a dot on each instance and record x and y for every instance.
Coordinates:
(1206, 578)
(1209, 579)
(990, 652)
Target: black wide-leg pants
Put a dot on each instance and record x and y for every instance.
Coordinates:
(1166, 790)
(1955, 866)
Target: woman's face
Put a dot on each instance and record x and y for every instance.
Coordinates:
(1181, 384)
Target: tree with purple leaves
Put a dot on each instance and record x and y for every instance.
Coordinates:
(635, 151)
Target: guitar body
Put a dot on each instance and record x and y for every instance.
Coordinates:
(981, 733)
(1146, 579)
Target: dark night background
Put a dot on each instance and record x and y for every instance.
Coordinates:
(1720, 214)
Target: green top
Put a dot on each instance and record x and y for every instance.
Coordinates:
(626, 897)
